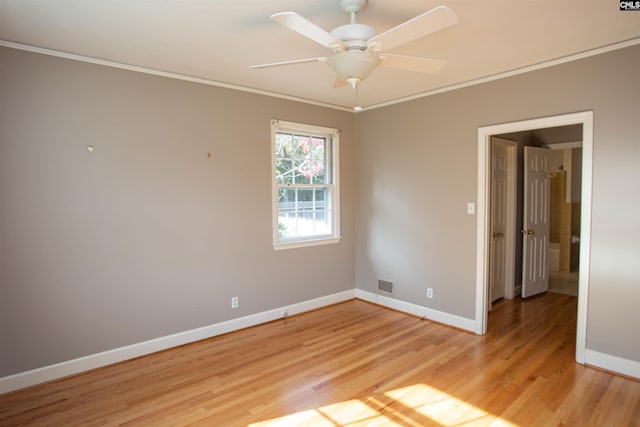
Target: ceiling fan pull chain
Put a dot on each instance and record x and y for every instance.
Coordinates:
(357, 107)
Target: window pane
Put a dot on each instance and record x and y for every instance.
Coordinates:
(299, 170)
(305, 199)
(284, 171)
(300, 159)
(286, 227)
(320, 159)
(284, 142)
(304, 224)
(323, 221)
(284, 165)
(287, 200)
(303, 212)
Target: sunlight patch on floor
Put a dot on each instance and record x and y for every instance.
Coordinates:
(347, 413)
(413, 405)
(443, 408)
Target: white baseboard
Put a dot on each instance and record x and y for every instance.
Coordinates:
(418, 310)
(611, 363)
(93, 361)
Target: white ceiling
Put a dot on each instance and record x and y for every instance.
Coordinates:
(217, 40)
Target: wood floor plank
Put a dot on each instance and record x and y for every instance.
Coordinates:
(351, 364)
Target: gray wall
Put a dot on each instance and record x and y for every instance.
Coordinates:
(417, 169)
(146, 236)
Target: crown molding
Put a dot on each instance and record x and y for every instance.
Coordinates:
(473, 82)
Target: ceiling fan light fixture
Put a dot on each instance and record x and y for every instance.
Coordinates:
(353, 64)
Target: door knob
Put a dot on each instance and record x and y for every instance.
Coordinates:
(528, 232)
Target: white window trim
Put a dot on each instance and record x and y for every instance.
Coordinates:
(280, 126)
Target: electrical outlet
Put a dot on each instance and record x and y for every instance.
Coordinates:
(429, 292)
(234, 302)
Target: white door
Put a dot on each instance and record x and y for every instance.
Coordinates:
(535, 241)
(499, 184)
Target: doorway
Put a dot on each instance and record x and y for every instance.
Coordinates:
(485, 226)
(547, 208)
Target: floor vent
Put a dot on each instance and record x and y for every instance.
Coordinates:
(383, 285)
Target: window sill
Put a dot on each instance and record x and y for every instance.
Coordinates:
(306, 243)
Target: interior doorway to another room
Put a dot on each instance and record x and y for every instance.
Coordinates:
(534, 212)
(553, 206)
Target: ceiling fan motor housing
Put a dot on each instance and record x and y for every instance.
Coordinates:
(354, 36)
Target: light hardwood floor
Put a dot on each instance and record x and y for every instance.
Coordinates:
(352, 364)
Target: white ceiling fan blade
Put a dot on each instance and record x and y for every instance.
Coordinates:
(428, 23)
(413, 63)
(302, 26)
(295, 61)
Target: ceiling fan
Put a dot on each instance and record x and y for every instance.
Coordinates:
(356, 48)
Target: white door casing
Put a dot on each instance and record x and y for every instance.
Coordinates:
(585, 119)
(535, 223)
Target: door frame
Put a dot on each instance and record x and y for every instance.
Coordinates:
(584, 118)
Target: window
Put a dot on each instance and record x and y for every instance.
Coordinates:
(305, 185)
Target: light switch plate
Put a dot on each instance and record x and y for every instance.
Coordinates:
(471, 208)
